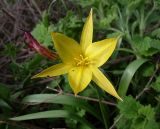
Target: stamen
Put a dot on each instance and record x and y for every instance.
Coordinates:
(81, 57)
(87, 63)
(79, 63)
(82, 61)
(77, 59)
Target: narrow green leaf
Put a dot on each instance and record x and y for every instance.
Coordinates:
(4, 104)
(61, 99)
(128, 75)
(126, 50)
(53, 114)
(44, 114)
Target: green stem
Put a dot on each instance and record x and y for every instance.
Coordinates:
(116, 30)
(14, 62)
(102, 109)
(101, 11)
(133, 27)
(64, 5)
(150, 12)
(129, 40)
(142, 22)
(121, 22)
(50, 5)
(126, 50)
(127, 27)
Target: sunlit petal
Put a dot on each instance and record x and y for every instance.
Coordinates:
(100, 51)
(104, 83)
(87, 33)
(54, 70)
(79, 78)
(66, 47)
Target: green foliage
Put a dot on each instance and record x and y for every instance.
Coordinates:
(69, 24)
(129, 108)
(43, 33)
(148, 70)
(156, 33)
(10, 50)
(156, 85)
(145, 45)
(135, 115)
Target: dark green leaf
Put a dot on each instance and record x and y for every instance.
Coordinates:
(156, 85)
(4, 92)
(148, 70)
(147, 111)
(146, 46)
(4, 104)
(129, 107)
(156, 33)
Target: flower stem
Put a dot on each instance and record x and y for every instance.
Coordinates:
(103, 111)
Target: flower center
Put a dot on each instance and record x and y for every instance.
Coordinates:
(82, 61)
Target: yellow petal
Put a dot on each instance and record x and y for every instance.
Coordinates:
(87, 33)
(54, 70)
(66, 47)
(103, 82)
(100, 51)
(79, 78)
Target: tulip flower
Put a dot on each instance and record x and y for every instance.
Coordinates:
(81, 61)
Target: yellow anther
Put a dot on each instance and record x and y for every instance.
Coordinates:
(87, 63)
(77, 59)
(82, 61)
(81, 57)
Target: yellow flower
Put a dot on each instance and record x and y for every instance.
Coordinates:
(81, 61)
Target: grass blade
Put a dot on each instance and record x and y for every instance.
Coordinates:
(53, 114)
(61, 99)
(128, 75)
